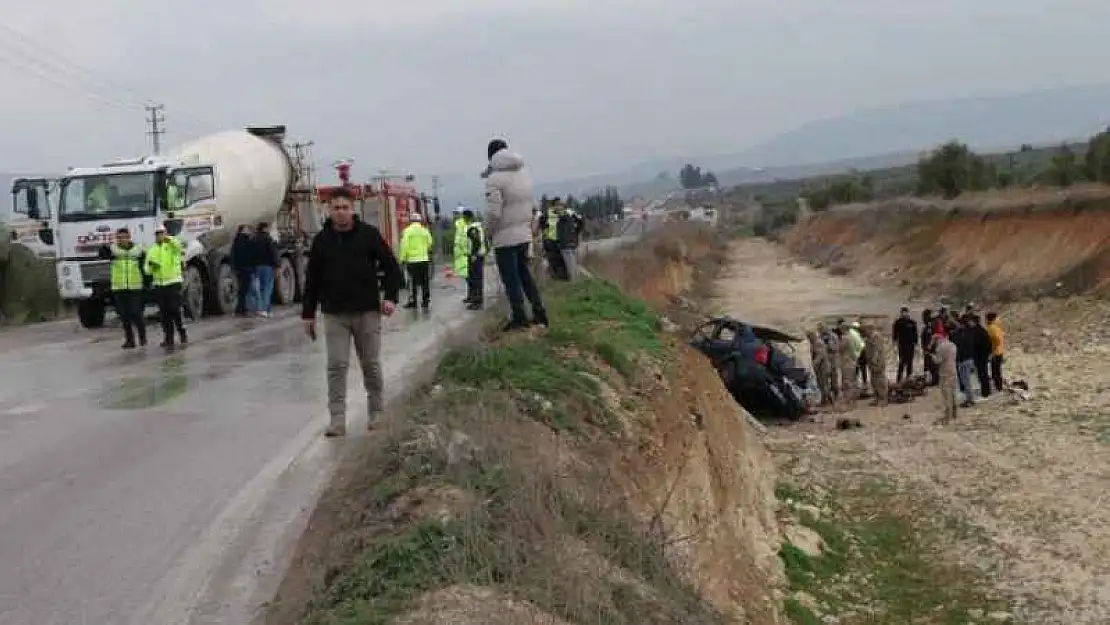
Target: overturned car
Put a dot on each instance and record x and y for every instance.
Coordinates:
(757, 366)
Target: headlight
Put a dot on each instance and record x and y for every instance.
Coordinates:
(69, 285)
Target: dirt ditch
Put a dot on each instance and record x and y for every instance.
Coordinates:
(1010, 501)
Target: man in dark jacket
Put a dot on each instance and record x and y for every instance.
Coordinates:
(982, 354)
(964, 339)
(904, 336)
(928, 347)
(342, 279)
(243, 262)
(266, 266)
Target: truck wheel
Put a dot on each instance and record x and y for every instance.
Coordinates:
(91, 312)
(192, 290)
(285, 283)
(227, 291)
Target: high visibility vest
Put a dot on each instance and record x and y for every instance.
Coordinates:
(174, 200)
(461, 248)
(551, 233)
(483, 248)
(126, 272)
(97, 199)
(416, 244)
(167, 256)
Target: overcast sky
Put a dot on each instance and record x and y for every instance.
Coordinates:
(577, 87)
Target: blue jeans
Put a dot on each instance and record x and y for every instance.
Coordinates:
(964, 370)
(265, 276)
(516, 275)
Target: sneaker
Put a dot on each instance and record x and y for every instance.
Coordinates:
(474, 306)
(409, 305)
(336, 430)
(128, 345)
(425, 305)
(541, 319)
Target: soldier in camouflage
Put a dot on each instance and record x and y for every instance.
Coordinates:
(819, 354)
(875, 351)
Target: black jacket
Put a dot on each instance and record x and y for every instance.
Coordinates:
(243, 252)
(904, 333)
(568, 230)
(981, 343)
(964, 338)
(265, 250)
(342, 274)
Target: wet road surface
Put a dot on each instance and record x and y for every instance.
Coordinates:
(142, 488)
(134, 486)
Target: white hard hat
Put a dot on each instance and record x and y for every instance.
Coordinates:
(416, 217)
(158, 229)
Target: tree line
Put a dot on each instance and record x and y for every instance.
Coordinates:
(953, 168)
(604, 204)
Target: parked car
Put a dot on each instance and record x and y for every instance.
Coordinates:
(757, 365)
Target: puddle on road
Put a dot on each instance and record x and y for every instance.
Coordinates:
(136, 393)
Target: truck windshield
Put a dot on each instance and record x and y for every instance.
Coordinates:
(119, 196)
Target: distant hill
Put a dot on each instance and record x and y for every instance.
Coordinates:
(898, 134)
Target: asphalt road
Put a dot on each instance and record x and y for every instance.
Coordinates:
(142, 488)
(147, 487)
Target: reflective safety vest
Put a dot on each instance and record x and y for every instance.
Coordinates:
(416, 244)
(483, 248)
(174, 200)
(97, 199)
(461, 248)
(163, 262)
(126, 272)
(552, 232)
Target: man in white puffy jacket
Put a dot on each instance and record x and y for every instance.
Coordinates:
(508, 217)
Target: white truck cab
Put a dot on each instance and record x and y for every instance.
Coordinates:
(95, 202)
(32, 220)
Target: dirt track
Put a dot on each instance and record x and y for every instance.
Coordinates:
(1029, 477)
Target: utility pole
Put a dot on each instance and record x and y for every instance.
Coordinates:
(156, 129)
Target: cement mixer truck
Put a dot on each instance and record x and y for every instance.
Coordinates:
(223, 180)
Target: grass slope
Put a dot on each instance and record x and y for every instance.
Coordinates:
(490, 480)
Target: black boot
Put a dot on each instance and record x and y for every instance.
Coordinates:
(409, 305)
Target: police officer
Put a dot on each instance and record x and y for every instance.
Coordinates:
(164, 264)
(126, 274)
(476, 248)
(459, 251)
(416, 256)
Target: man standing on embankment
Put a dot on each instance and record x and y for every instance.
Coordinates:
(342, 279)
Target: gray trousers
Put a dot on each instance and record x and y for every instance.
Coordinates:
(570, 259)
(365, 330)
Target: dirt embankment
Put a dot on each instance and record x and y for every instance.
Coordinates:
(596, 472)
(1000, 246)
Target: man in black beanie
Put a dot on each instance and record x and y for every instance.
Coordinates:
(509, 201)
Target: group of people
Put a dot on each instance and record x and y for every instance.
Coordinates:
(255, 260)
(560, 229)
(848, 358)
(347, 256)
(161, 266)
(957, 349)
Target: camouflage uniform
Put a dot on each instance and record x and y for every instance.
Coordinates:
(876, 363)
(832, 345)
(820, 356)
(848, 364)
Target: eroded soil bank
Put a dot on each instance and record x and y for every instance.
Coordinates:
(1000, 517)
(997, 246)
(596, 472)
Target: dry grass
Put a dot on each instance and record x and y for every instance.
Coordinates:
(28, 289)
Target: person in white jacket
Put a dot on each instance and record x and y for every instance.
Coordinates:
(508, 217)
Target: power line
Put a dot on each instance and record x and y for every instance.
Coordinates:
(53, 62)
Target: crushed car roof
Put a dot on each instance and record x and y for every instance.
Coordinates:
(763, 333)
